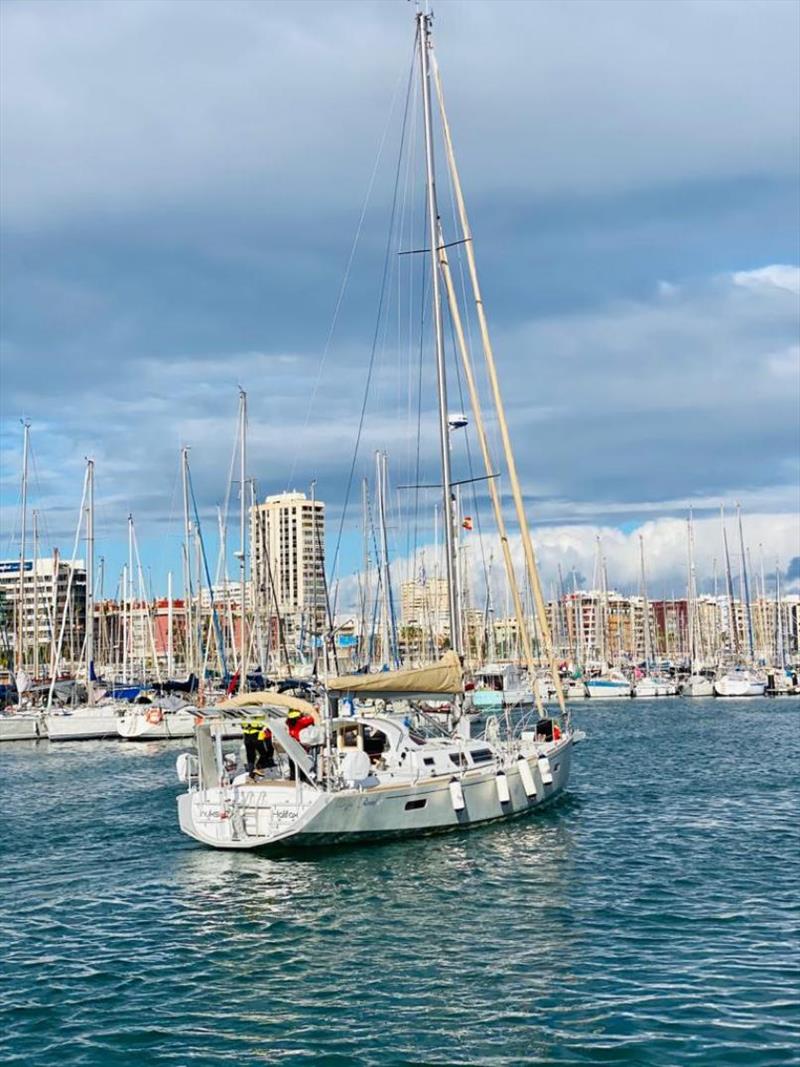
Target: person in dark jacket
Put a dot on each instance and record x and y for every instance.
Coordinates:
(258, 744)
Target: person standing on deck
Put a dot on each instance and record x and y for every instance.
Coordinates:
(258, 745)
(296, 722)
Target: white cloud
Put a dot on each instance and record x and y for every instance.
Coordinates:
(108, 106)
(779, 275)
(773, 538)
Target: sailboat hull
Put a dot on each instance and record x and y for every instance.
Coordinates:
(602, 689)
(697, 686)
(285, 816)
(494, 700)
(16, 727)
(83, 725)
(738, 684)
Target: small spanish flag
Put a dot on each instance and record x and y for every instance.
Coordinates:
(467, 523)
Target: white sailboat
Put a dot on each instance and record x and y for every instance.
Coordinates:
(17, 724)
(654, 686)
(90, 721)
(166, 720)
(93, 722)
(697, 685)
(651, 685)
(612, 685)
(372, 776)
(740, 682)
(379, 775)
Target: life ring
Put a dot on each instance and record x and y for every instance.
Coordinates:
(199, 720)
(154, 716)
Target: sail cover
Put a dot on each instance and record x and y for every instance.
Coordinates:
(444, 678)
(270, 699)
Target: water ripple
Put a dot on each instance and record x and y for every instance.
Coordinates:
(650, 918)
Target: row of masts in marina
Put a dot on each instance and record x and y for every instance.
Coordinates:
(208, 637)
(136, 638)
(230, 629)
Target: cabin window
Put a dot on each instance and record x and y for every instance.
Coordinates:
(459, 759)
(481, 755)
(414, 805)
(428, 761)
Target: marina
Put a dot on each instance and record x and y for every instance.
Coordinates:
(399, 621)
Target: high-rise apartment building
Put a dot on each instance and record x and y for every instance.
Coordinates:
(31, 612)
(287, 537)
(424, 603)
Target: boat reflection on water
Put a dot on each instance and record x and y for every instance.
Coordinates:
(339, 886)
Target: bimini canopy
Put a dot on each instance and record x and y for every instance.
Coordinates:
(444, 678)
(271, 699)
(277, 723)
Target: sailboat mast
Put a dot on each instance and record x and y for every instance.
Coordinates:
(313, 620)
(387, 645)
(365, 576)
(781, 655)
(242, 540)
(170, 625)
(187, 562)
(90, 581)
(691, 596)
(494, 492)
(646, 608)
(732, 623)
(35, 547)
(746, 587)
(453, 598)
(20, 646)
(129, 596)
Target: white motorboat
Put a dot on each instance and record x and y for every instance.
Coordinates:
(610, 686)
(697, 685)
(84, 723)
(371, 776)
(499, 686)
(652, 686)
(23, 725)
(740, 682)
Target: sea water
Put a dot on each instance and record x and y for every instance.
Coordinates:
(650, 917)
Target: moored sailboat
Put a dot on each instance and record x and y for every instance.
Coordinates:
(612, 685)
(740, 682)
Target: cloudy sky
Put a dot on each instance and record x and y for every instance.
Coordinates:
(182, 188)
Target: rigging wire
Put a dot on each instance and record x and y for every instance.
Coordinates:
(346, 276)
(379, 319)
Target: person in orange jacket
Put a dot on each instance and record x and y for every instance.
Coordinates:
(296, 722)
